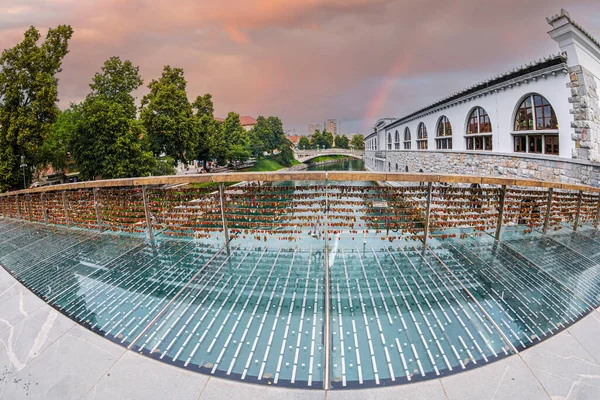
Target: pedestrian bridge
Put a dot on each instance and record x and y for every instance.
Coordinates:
(307, 155)
(313, 279)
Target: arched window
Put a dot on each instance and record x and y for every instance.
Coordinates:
(407, 142)
(389, 140)
(422, 137)
(443, 138)
(536, 126)
(479, 129)
(396, 140)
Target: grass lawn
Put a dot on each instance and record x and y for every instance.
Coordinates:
(268, 164)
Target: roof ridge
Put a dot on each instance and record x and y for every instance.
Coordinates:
(486, 83)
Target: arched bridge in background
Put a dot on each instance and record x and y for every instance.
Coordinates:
(307, 155)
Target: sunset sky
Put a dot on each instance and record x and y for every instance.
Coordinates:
(302, 60)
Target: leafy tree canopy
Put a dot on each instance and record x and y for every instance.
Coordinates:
(207, 136)
(107, 142)
(28, 96)
(304, 143)
(358, 142)
(56, 148)
(341, 142)
(167, 116)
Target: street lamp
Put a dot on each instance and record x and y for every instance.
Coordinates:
(23, 165)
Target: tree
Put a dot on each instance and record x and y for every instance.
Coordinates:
(320, 140)
(341, 141)
(256, 145)
(56, 148)
(286, 153)
(358, 142)
(236, 137)
(167, 116)
(261, 133)
(276, 134)
(204, 130)
(328, 139)
(107, 142)
(28, 97)
(304, 143)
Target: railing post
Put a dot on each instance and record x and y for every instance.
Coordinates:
(3, 199)
(327, 325)
(18, 206)
(427, 213)
(597, 214)
(223, 218)
(44, 211)
(64, 199)
(146, 213)
(548, 210)
(501, 211)
(578, 212)
(97, 207)
(28, 205)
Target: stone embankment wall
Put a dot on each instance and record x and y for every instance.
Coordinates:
(300, 167)
(471, 163)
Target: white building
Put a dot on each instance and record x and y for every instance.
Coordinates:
(545, 110)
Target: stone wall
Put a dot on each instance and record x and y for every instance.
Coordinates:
(586, 114)
(494, 164)
(300, 167)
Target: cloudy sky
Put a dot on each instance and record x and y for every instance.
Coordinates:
(302, 60)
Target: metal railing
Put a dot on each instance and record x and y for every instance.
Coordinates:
(416, 206)
(309, 205)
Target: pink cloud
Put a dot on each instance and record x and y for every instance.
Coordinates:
(304, 60)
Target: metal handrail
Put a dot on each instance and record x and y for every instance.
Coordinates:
(307, 176)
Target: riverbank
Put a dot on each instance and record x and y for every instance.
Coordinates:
(326, 160)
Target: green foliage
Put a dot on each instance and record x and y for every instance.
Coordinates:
(56, 148)
(107, 140)
(270, 163)
(358, 142)
(104, 135)
(256, 145)
(236, 138)
(286, 152)
(164, 166)
(167, 116)
(322, 140)
(266, 136)
(342, 142)
(28, 96)
(304, 143)
(205, 131)
(116, 82)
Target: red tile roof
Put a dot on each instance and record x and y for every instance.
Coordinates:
(246, 120)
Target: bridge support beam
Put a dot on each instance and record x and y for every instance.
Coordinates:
(97, 208)
(548, 210)
(427, 212)
(147, 213)
(501, 211)
(64, 199)
(578, 212)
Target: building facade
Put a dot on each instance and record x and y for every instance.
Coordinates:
(331, 126)
(313, 127)
(541, 120)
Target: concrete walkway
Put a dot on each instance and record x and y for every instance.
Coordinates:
(44, 355)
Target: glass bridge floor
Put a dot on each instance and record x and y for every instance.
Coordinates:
(399, 313)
